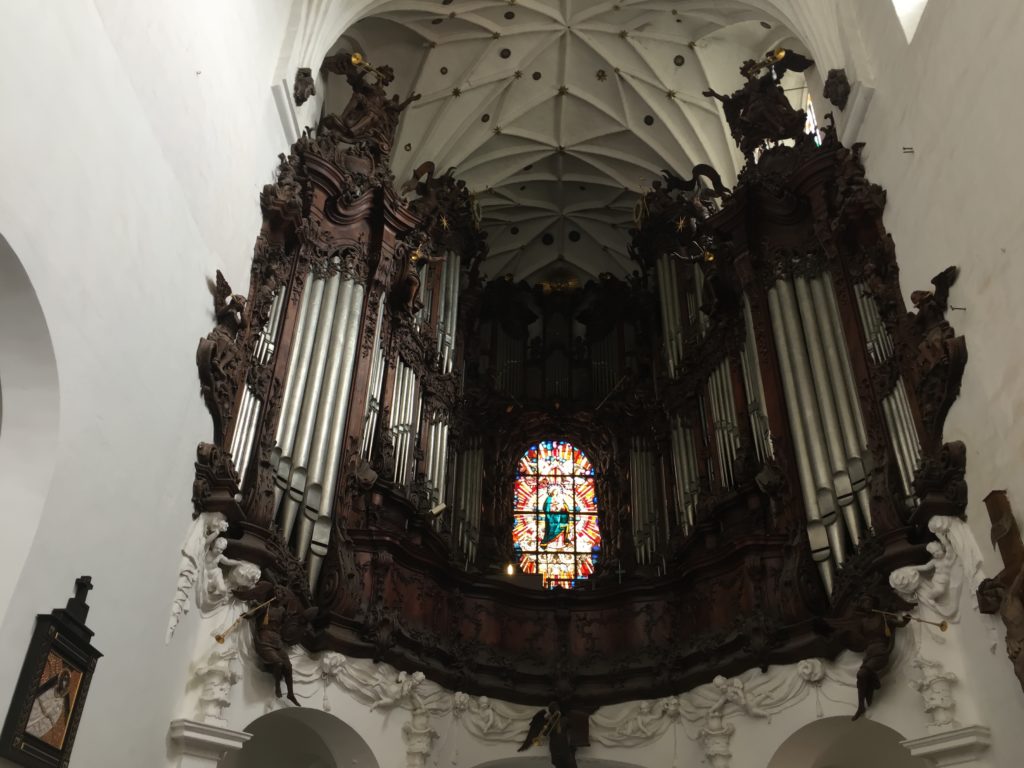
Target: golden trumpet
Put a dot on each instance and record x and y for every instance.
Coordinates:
(234, 625)
(358, 60)
(942, 625)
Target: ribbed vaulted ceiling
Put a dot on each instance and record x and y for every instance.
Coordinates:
(557, 113)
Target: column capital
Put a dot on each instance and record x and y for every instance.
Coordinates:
(962, 746)
(202, 744)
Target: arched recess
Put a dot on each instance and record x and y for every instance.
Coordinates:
(541, 760)
(29, 414)
(837, 742)
(301, 738)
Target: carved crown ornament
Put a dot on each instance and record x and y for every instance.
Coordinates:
(330, 482)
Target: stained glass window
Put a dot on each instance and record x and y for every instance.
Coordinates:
(555, 532)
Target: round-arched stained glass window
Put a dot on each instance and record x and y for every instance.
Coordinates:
(555, 532)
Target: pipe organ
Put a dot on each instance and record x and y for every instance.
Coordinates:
(761, 417)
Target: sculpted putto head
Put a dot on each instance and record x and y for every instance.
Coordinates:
(905, 581)
(243, 576)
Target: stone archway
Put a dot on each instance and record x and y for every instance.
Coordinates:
(837, 742)
(29, 410)
(301, 738)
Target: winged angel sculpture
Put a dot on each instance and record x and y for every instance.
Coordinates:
(549, 723)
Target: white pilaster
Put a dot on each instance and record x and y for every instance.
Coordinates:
(201, 745)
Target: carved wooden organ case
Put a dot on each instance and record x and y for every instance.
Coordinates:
(764, 415)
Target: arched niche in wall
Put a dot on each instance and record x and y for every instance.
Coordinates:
(837, 742)
(542, 760)
(28, 415)
(301, 738)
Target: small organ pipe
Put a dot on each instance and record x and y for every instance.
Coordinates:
(908, 417)
(898, 443)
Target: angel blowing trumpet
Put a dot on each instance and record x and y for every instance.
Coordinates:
(551, 724)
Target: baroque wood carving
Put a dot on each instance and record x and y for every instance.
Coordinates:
(737, 587)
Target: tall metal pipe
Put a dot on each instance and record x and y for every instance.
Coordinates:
(847, 366)
(815, 435)
(298, 369)
(666, 328)
(816, 529)
(307, 413)
(333, 414)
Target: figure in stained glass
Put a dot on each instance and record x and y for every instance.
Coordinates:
(555, 531)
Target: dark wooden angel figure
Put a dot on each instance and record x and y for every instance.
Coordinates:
(866, 628)
(279, 620)
(219, 356)
(551, 724)
(783, 60)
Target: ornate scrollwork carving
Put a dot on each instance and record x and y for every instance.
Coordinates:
(220, 359)
(215, 488)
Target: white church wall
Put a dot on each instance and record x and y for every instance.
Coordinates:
(29, 407)
(128, 180)
(954, 201)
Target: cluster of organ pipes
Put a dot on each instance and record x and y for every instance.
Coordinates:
(671, 320)
(436, 467)
(899, 418)
(684, 464)
(244, 436)
(723, 415)
(448, 310)
(468, 501)
(825, 418)
(754, 387)
(406, 404)
(314, 409)
(646, 499)
(373, 399)
(509, 363)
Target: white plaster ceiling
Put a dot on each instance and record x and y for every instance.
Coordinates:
(557, 113)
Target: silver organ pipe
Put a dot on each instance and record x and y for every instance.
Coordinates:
(323, 412)
(723, 409)
(816, 527)
(452, 306)
(692, 475)
(373, 399)
(319, 496)
(899, 418)
(250, 406)
(671, 275)
(644, 494)
(698, 316)
(755, 390)
(298, 368)
(847, 404)
(666, 322)
(306, 426)
(811, 323)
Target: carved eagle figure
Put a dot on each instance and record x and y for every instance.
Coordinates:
(550, 723)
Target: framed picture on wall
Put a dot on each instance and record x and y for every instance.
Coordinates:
(50, 695)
